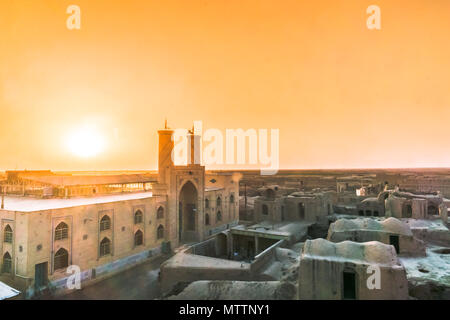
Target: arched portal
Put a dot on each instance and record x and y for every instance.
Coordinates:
(188, 212)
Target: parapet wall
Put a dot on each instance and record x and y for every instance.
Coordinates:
(187, 267)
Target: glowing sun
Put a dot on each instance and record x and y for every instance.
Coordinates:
(85, 142)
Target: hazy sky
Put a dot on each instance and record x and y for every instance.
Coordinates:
(342, 96)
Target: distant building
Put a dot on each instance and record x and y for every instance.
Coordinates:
(273, 205)
(400, 204)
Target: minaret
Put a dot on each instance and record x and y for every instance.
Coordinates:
(194, 147)
(165, 160)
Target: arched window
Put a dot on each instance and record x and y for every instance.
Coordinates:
(160, 213)
(206, 203)
(8, 234)
(105, 247)
(105, 223)
(7, 263)
(138, 238)
(219, 216)
(160, 232)
(219, 202)
(138, 217)
(265, 210)
(61, 259)
(61, 231)
(207, 219)
(232, 198)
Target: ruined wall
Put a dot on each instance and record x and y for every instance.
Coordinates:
(206, 248)
(172, 274)
(323, 279)
(408, 244)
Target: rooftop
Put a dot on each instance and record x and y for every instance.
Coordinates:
(87, 180)
(28, 204)
(367, 252)
(390, 225)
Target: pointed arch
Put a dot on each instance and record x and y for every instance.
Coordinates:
(61, 259)
(219, 216)
(138, 238)
(160, 232)
(7, 234)
(7, 263)
(105, 223)
(105, 247)
(160, 213)
(138, 217)
(188, 211)
(61, 231)
(219, 202)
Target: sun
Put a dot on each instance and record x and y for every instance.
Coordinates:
(85, 142)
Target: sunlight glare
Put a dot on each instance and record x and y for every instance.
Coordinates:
(85, 142)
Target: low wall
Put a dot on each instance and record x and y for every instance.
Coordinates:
(265, 257)
(87, 277)
(181, 269)
(204, 248)
(216, 230)
(212, 269)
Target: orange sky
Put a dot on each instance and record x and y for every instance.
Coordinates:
(342, 96)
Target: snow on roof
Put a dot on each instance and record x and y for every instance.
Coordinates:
(7, 292)
(28, 204)
(390, 225)
(367, 252)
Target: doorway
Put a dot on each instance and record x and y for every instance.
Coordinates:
(394, 241)
(301, 211)
(40, 275)
(349, 280)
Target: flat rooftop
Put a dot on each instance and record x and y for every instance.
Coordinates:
(198, 261)
(29, 204)
(274, 230)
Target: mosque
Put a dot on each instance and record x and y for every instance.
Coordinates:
(107, 223)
